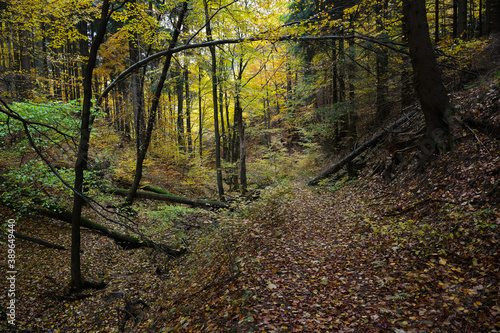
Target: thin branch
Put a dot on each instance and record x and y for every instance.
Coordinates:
(174, 50)
(209, 20)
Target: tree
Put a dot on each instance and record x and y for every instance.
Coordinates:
(142, 151)
(218, 165)
(77, 281)
(428, 84)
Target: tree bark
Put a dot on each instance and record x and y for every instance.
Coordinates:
(492, 16)
(83, 148)
(462, 19)
(428, 84)
(136, 88)
(200, 115)
(179, 88)
(218, 165)
(436, 21)
(188, 108)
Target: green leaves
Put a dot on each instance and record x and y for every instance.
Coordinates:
(58, 115)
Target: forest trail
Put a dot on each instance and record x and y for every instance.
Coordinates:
(330, 261)
(319, 271)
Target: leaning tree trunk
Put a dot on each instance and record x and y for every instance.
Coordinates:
(141, 153)
(358, 151)
(431, 92)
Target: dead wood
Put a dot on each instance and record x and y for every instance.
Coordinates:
(370, 143)
(38, 241)
(207, 204)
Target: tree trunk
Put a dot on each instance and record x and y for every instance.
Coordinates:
(436, 21)
(455, 18)
(154, 107)
(241, 132)
(431, 92)
(492, 16)
(174, 198)
(220, 185)
(382, 64)
(179, 88)
(137, 94)
(83, 148)
(462, 19)
(221, 110)
(200, 115)
(188, 108)
(125, 241)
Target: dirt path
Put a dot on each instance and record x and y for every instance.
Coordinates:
(325, 267)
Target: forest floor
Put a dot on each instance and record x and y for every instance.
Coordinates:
(414, 253)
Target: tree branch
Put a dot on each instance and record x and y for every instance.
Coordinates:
(174, 50)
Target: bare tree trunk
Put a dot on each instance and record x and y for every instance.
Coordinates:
(382, 64)
(462, 19)
(188, 108)
(241, 134)
(137, 94)
(200, 115)
(436, 21)
(492, 16)
(221, 109)
(239, 122)
(179, 88)
(431, 92)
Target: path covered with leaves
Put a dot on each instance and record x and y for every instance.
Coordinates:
(417, 253)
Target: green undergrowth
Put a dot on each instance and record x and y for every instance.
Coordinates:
(33, 184)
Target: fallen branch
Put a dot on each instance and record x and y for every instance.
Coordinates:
(38, 241)
(174, 198)
(370, 143)
(125, 241)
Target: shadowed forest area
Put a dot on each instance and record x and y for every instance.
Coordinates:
(250, 166)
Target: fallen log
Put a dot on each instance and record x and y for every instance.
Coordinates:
(370, 143)
(125, 241)
(154, 189)
(38, 241)
(174, 198)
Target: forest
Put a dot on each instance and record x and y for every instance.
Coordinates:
(249, 166)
